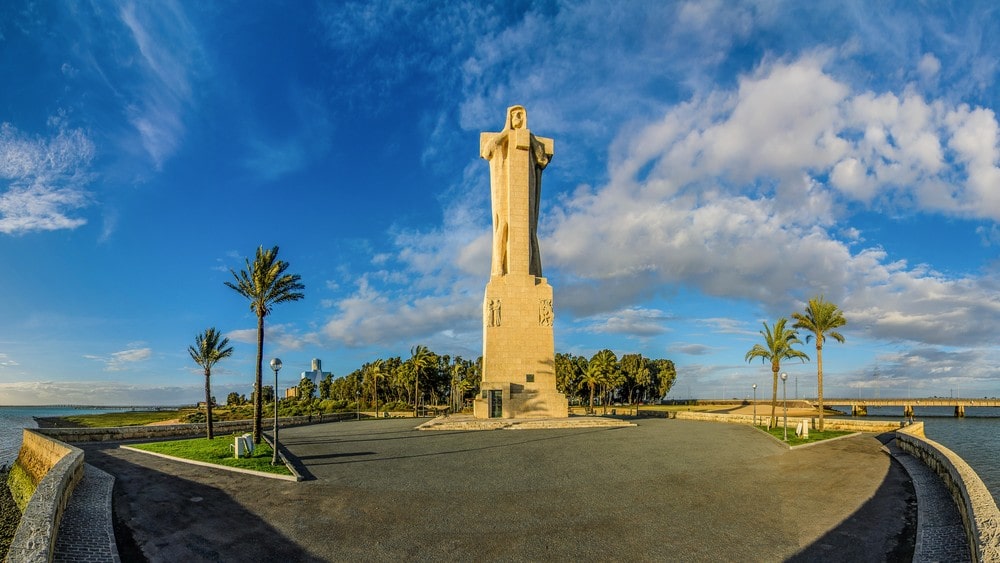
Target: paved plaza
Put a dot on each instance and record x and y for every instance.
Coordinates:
(663, 490)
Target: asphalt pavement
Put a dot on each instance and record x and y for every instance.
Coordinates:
(665, 490)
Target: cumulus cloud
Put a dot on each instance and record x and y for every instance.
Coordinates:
(43, 179)
(634, 321)
(738, 194)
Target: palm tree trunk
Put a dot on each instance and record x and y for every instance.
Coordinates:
(591, 398)
(819, 382)
(774, 398)
(208, 403)
(416, 392)
(258, 396)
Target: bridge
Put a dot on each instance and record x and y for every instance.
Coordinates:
(859, 407)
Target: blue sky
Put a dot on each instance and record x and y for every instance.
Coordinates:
(716, 164)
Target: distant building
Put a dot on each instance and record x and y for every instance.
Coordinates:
(316, 374)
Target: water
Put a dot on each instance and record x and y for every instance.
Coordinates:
(15, 419)
(976, 438)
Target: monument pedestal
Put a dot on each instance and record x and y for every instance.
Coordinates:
(519, 379)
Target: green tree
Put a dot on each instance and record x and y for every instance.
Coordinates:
(325, 386)
(664, 375)
(820, 318)
(611, 377)
(306, 389)
(777, 346)
(233, 399)
(209, 347)
(420, 359)
(265, 284)
(373, 372)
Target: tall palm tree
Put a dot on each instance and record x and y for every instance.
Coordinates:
(421, 358)
(777, 346)
(207, 350)
(265, 283)
(821, 318)
(374, 373)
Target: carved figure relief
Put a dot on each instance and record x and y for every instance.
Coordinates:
(545, 312)
(493, 312)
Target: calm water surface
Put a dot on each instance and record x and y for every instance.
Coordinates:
(976, 438)
(14, 419)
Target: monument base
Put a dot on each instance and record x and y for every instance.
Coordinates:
(510, 400)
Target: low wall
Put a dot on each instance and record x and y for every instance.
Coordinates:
(55, 468)
(849, 425)
(221, 428)
(976, 505)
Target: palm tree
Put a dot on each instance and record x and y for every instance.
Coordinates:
(592, 377)
(265, 283)
(821, 318)
(420, 358)
(777, 346)
(208, 350)
(374, 373)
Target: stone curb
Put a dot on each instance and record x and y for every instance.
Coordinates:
(293, 477)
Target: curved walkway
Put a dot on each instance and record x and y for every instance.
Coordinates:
(665, 489)
(86, 534)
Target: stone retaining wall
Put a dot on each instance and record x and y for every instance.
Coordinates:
(976, 505)
(58, 467)
(829, 423)
(220, 428)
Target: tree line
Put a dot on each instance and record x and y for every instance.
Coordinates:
(427, 378)
(424, 378)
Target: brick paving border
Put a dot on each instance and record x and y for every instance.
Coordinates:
(940, 533)
(86, 534)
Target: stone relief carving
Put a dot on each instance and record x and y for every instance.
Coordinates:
(545, 312)
(493, 312)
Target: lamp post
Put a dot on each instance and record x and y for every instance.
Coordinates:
(755, 404)
(276, 366)
(784, 399)
(357, 402)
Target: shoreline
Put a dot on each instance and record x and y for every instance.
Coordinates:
(55, 422)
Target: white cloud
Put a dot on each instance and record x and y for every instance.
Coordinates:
(168, 47)
(122, 360)
(43, 180)
(276, 336)
(633, 321)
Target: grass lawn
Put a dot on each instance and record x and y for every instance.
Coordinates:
(217, 451)
(127, 418)
(793, 440)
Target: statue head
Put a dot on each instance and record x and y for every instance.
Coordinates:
(517, 117)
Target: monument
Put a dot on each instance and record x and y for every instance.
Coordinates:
(519, 379)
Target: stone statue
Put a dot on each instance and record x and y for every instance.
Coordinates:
(518, 368)
(506, 172)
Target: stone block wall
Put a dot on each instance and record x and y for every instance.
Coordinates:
(58, 467)
(976, 505)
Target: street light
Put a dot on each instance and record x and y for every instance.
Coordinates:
(784, 399)
(357, 402)
(276, 366)
(755, 404)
